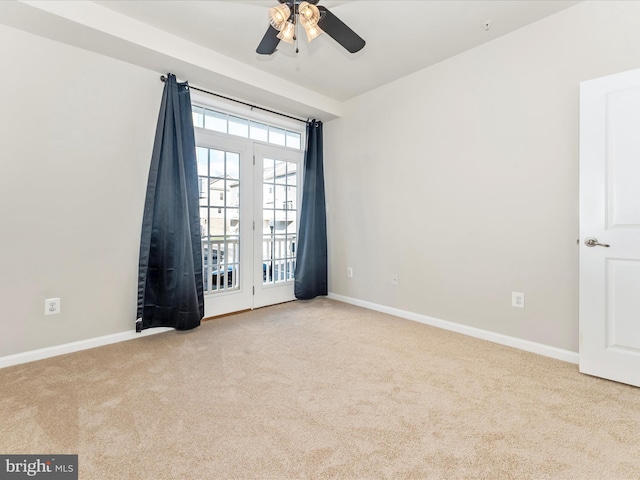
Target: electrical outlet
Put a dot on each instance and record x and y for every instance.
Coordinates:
(52, 306)
(394, 279)
(517, 299)
(349, 272)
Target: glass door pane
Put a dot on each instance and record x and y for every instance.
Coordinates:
(277, 173)
(225, 178)
(279, 220)
(220, 218)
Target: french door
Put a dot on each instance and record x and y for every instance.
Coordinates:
(277, 206)
(249, 207)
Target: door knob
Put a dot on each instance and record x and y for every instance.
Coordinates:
(593, 242)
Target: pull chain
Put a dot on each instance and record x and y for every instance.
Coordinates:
(295, 23)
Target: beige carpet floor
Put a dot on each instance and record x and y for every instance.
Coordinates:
(315, 390)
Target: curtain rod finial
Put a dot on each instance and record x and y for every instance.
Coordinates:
(163, 78)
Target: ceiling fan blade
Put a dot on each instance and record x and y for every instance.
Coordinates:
(269, 42)
(338, 30)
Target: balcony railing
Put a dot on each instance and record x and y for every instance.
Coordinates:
(278, 258)
(221, 262)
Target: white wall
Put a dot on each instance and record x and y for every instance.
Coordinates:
(463, 178)
(76, 132)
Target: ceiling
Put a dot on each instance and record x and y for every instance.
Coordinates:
(212, 43)
(402, 36)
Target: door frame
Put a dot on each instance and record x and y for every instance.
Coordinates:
(237, 300)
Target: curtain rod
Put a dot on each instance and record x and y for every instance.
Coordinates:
(164, 80)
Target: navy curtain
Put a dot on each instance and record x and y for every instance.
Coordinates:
(311, 257)
(170, 291)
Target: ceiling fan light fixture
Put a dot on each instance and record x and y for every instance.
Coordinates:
(315, 20)
(309, 14)
(313, 32)
(279, 15)
(288, 33)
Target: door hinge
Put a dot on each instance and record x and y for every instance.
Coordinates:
(254, 290)
(254, 159)
(254, 224)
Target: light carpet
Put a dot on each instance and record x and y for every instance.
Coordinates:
(320, 389)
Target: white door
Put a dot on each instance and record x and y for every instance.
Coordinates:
(249, 181)
(610, 222)
(278, 185)
(226, 209)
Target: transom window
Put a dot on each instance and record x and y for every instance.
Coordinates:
(243, 127)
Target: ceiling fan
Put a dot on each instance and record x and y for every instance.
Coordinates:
(284, 20)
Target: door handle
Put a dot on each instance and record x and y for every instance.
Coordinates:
(593, 242)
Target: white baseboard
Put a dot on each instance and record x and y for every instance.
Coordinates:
(526, 345)
(54, 351)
